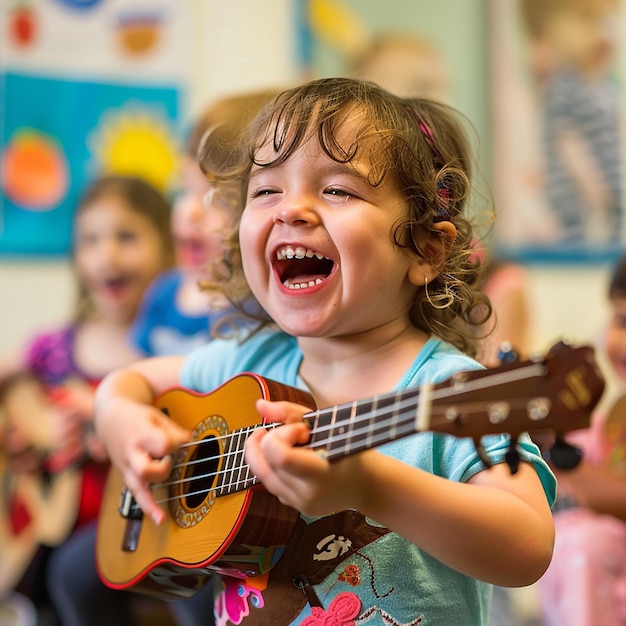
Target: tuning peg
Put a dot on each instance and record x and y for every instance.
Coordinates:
(507, 354)
(512, 456)
(562, 454)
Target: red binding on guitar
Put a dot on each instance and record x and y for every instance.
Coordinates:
(221, 522)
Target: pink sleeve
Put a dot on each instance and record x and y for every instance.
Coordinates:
(592, 441)
(505, 279)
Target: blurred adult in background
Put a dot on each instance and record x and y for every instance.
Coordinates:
(572, 59)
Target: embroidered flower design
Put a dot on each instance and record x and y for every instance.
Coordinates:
(342, 611)
(351, 575)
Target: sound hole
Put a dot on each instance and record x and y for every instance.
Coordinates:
(201, 473)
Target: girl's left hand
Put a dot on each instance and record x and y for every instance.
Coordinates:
(73, 425)
(297, 475)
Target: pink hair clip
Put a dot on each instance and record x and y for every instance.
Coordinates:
(425, 128)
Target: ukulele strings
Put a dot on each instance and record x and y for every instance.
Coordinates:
(380, 421)
(383, 424)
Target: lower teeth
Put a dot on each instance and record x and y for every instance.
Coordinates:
(311, 283)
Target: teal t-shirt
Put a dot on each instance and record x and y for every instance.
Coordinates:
(386, 579)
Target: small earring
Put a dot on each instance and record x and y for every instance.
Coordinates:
(448, 295)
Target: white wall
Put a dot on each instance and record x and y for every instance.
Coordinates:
(35, 296)
(242, 44)
(568, 302)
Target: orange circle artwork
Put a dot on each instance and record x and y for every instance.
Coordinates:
(35, 172)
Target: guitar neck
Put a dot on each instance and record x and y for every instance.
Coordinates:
(454, 407)
(347, 429)
(553, 394)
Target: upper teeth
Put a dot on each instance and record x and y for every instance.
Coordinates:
(299, 253)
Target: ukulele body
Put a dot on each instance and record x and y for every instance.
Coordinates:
(206, 531)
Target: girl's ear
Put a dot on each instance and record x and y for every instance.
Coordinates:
(433, 251)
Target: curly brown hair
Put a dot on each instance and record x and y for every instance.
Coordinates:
(422, 145)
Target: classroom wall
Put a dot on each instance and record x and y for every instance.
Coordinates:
(246, 44)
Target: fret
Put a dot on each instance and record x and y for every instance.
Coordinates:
(245, 478)
(338, 430)
(368, 411)
(321, 424)
(393, 432)
(350, 427)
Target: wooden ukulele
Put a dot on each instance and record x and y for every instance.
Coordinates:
(220, 520)
(45, 502)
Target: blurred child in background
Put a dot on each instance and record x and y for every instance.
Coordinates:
(181, 310)
(586, 581)
(408, 65)
(121, 241)
(176, 315)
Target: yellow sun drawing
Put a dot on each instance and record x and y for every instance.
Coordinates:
(137, 141)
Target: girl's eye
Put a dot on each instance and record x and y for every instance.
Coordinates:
(127, 235)
(83, 241)
(333, 191)
(262, 192)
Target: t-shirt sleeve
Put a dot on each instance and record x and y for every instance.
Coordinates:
(207, 367)
(139, 333)
(457, 458)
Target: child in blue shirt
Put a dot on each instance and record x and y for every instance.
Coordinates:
(355, 242)
(176, 314)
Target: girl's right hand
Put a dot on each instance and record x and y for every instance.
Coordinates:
(139, 437)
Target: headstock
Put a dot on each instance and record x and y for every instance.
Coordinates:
(555, 393)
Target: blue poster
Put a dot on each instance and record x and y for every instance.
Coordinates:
(58, 135)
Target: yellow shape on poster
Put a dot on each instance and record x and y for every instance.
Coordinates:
(338, 25)
(134, 142)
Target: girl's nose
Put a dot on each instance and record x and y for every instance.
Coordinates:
(189, 209)
(110, 252)
(296, 210)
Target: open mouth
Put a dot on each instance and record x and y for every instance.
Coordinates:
(116, 285)
(192, 252)
(299, 267)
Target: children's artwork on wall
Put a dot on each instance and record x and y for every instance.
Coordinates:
(92, 88)
(558, 129)
(47, 158)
